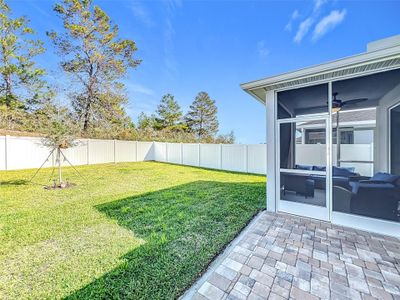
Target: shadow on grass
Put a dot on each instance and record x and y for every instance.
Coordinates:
(14, 182)
(184, 227)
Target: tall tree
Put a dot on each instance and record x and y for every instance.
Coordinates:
(145, 121)
(22, 87)
(169, 114)
(202, 117)
(94, 55)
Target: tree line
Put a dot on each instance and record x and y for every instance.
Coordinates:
(169, 123)
(95, 60)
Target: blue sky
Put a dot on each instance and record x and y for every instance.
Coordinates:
(213, 46)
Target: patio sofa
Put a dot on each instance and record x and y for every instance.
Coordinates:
(299, 183)
(305, 185)
(341, 176)
(378, 197)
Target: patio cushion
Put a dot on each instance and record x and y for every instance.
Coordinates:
(303, 167)
(318, 168)
(385, 177)
(342, 172)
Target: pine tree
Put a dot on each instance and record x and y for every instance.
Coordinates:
(145, 121)
(169, 114)
(93, 54)
(202, 117)
(22, 88)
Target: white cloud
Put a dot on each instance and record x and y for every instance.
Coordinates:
(328, 23)
(303, 29)
(318, 4)
(295, 15)
(138, 88)
(262, 49)
(288, 26)
(170, 62)
(140, 12)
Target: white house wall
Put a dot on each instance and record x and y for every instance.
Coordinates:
(382, 129)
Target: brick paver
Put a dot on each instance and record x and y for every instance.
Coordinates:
(288, 257)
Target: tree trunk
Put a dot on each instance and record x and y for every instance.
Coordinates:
(59, 165)
(8, 90)
(86, 118)
(7, 77)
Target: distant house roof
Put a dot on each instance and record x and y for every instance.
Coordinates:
(351, 118)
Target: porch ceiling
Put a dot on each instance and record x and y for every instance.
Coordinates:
(373, 87)
(358, 65)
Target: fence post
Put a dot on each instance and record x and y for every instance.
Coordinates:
(87, 153)
(166, 151)
(115, 151)
(198, 154)
(220, 156)
(5, 153)
(181, 153)
(246, 158)
(153, 151)
(136, 150)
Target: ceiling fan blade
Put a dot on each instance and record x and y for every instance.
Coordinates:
(354, 101)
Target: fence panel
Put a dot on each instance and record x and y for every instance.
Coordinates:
(101, 151)
(234, 158)
(26, 153)
(160, 151)
(364, 152)
(125, 151)
(311, 154)
(210, 156)
(190, 154)
(174, 153)
(77, 155)
(2, 152)
(145, 151)
(257, 159)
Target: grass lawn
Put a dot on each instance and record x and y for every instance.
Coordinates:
(132, 231)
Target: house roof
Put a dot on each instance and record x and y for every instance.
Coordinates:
(381, 55)
(354, 118)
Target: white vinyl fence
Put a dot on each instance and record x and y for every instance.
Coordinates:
(239, 158)
(28, 152)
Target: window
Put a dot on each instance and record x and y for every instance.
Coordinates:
(395, 140)
(362, 183)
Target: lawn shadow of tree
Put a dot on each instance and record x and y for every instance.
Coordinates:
(184, 228)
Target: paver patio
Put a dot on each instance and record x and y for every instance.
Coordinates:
(282, 256)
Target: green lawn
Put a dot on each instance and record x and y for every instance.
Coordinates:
(132, 231)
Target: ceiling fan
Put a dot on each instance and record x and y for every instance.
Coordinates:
(337, 105)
